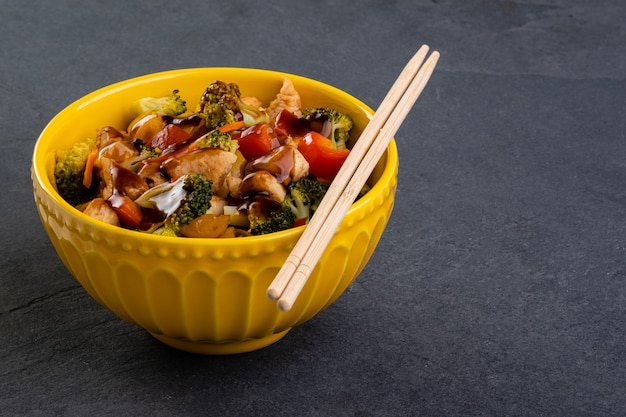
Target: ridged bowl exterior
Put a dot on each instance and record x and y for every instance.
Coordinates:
(202, 295)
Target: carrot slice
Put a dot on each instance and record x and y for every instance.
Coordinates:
(127, 210)
(229, 127)
(88, 174)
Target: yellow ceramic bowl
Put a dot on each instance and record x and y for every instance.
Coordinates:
(202, 295)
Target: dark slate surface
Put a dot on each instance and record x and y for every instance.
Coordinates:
(498, 287)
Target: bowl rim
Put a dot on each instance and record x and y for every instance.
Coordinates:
(41, 176)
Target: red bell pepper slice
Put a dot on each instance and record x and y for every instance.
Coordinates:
(257, 140)
(301, 222)
(324, 160)
(288, 124)
(168, 136)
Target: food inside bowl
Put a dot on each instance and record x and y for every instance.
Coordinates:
(231, 167)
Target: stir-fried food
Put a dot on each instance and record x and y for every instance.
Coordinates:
(229, 167)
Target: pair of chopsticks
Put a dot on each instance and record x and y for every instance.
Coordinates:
(351, 178)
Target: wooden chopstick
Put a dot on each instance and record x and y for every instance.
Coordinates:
(337, 187)
(351, 178)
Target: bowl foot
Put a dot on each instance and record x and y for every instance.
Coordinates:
(223, 348)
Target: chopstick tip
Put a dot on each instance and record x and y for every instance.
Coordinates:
(284, 305)
(272, 294)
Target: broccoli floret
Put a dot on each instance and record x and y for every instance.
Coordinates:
(331, 123)
(69, 170)
(216, 115)
(217, 139)
(179, 202)
(196, 202)
(145, 152)
(268, 216)
(171, 105)
(304, 197)
(221, 104)
(165, 230)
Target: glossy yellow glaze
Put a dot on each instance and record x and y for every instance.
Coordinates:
(202, 295)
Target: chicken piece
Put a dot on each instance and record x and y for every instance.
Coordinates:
(212, 163)
(106, 185)
(263, 183)
(118, 151)
(151, 172)
(229, 232)
(233, 184)
(286, 163)
(207, 225)
(116, 178)
(300, 167)
(99, 209)
(217, 205)
(106, 135)
(286, 99)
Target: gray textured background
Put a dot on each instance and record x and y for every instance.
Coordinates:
(499, 285)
